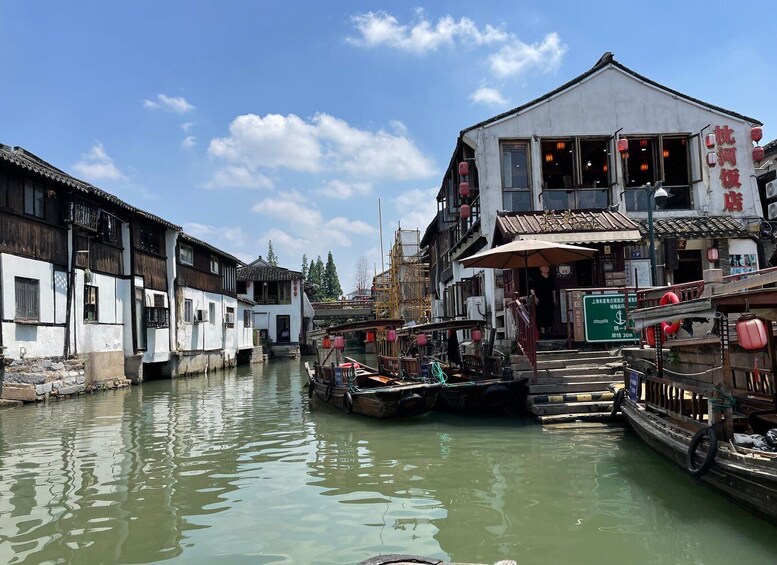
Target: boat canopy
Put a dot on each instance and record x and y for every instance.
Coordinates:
(366, 325)
(446, 325)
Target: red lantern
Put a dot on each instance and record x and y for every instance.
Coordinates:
(712, 254)
(421, 340)
(465, 211)
(650, 336)
(326, 343)
(464, 189)
(758, 153)
(477, 335)
(712, 159)
(463, 169)
(391, 335)
(339, 342)
(709, 140)
(756, 133)
(370, 337)
(751, 332)
(623, 145)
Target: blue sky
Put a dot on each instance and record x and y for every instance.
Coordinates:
(249, 121)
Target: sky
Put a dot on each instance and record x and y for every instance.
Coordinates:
(250, 121)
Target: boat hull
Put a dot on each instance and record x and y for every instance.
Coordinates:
(746, 477)
(492, 395)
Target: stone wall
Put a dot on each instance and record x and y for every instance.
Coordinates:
(40, 378)
(190, 363)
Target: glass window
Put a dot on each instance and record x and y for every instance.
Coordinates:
(516, 194)
(149, 240)
(645, 163)
(214, 264)
(188, 311)
(27, 299)
(91, 312)
(186, 255)
(247, 318)
(34, 199)
(212, 312)
(575, 173)
(230, 317)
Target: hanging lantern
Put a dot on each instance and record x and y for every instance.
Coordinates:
(561, 145)
(751, 332)
(370, 337)
(712, 158)
(464, 189)
(666, 153)
(326, 343)
(712, 254)
(421, 340)
(756, 133)
(463, 169)
(548, 157)
(709, 140)
(465, 211)
(650, 336)
(758, 153)
(391, 335)
(604, 168)
(644, 167)
(339, 342)
(623, 145)
(643, 143)
(477, 335)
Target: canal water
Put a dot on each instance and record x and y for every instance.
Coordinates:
(237, 467)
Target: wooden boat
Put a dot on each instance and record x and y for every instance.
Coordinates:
(470, 383)
(359, 389)
(703, 401)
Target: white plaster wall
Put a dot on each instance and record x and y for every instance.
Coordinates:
(210, 335)
(265, 314)
(108, 333)
(245, 338)
(37, 340)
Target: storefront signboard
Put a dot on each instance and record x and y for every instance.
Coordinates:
(604, 317)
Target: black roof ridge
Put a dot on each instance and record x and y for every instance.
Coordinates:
(190, 238)
(604, 61)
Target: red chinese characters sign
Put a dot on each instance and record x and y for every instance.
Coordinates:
(729, 174)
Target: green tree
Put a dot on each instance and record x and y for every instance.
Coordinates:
(272, 259)
(304, 266)
(314, 276)
(331, 281)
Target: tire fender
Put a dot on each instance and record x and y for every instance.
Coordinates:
(347, 402)
(330, 386)
(709, 457)
(617, 402)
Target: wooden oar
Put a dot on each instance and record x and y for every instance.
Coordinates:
(351, 360)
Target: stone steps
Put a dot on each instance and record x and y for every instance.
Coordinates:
(565, 387)
(593, 396)
(579, 418)
(548, 408)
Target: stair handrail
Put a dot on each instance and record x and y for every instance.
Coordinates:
(526, 332)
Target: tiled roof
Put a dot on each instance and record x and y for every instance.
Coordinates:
(262, 273)
(209, 247)
(528, 223)
(606, 60)
(770, 148)
(696, 227)
(26, 160)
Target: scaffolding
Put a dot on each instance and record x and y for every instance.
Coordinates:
(403, 290)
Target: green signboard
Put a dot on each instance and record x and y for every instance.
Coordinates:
(604, 317)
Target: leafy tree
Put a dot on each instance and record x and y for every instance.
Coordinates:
(272, 259)
(305, 266)
(331, 282)
(315, 272)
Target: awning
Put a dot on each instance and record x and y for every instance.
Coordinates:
(696, 227)
(586, 237)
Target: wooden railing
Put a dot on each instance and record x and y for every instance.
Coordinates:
(652, 296)
(493, 364)
(754, 380)
(526, 332)
(682, 401)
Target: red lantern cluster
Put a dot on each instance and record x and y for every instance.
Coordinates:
(463, 169)
(421, 340)
(339, 342)
(477, 335)
(712, 254)
(709, 140)
(712, 159)
(326, 343)
(391, 335)
(464, 189)
(756, 133)
(465, 211)
(623, 145)
(758, 153)
(370, 337)
(751, 333)
(650, 336)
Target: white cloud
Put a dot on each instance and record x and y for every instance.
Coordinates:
(341, 190)
(381, 28)
(97, 165)
(283, 241)
(289, 211)
(351, 226)
(189, 142)
(488, 96)
(238, 177)
(517, 57)
(323, 143)
(177, 104)
(416, 208)
(186, 126)
(233, 240)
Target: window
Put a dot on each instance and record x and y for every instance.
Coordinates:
(242, 287)
(149, 239)
(159, 300)
(27, 299)
(110, 228)
(516, 193)
(34, 199)
(212, 312)
(230, 318)
(188, 311)
(247, 318)
(575, 173)
(186, 255)
(214, 264)
(91, 312)
(650, 159)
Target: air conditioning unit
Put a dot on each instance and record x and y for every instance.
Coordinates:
(476, 308)
(771, 189)
(201, 316)
(772, 211)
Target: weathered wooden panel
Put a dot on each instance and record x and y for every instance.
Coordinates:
(34, 239)
(102, 258)
(152, 268)
(201, 280)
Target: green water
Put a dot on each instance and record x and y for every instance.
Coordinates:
(237, 467)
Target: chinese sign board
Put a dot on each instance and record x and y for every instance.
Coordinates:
(729, 174)
(604, 317)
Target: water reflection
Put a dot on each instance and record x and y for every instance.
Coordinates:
(237, 467)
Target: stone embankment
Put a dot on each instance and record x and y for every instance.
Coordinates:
(38, 379)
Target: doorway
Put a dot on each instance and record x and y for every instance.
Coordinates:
(140, 320)
(689, 266)
(283, 329)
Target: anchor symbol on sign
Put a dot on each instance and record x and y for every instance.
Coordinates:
(619, 319)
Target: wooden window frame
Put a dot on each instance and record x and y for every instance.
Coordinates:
(185, 261)
(91, 304)
(33, 285)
